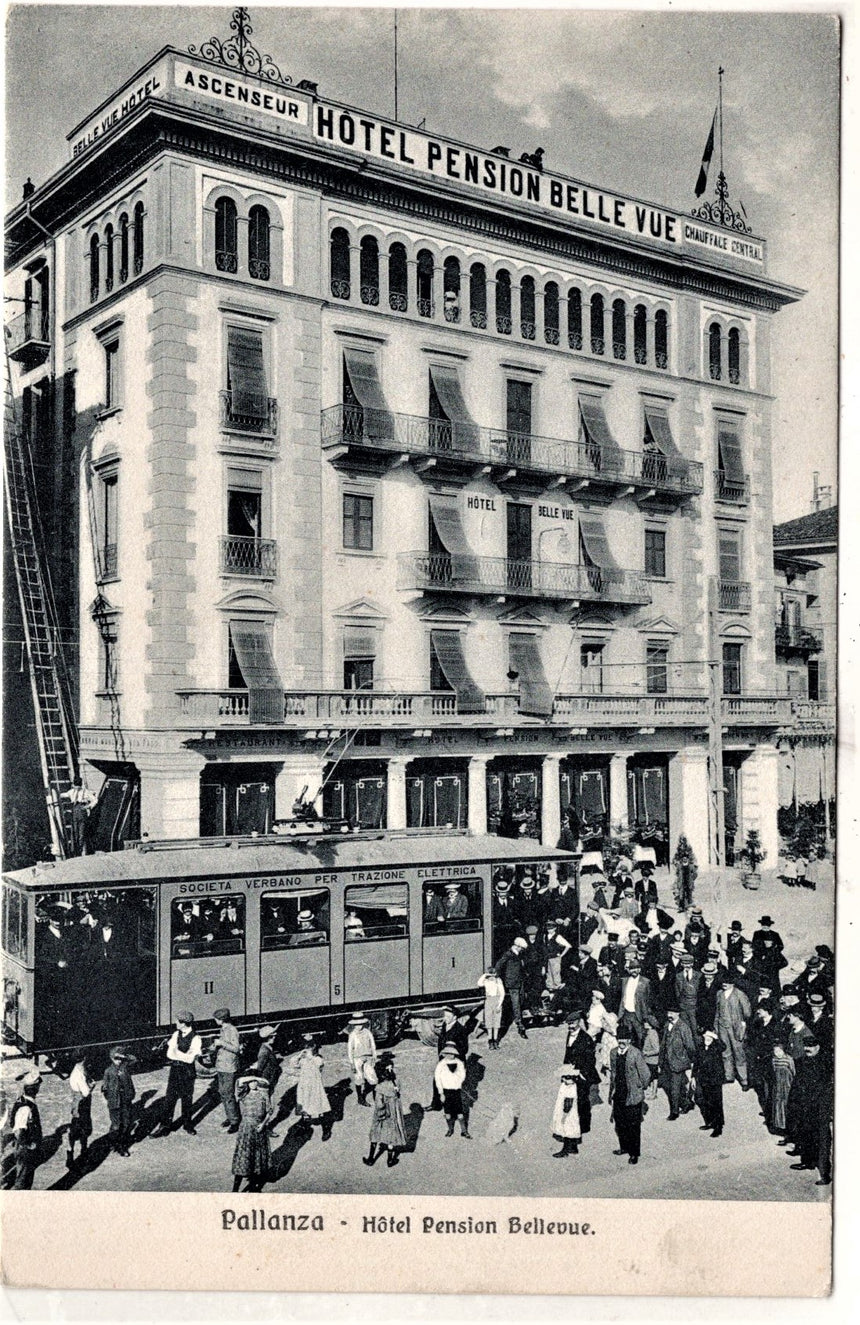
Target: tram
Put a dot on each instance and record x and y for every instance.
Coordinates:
(294, 928)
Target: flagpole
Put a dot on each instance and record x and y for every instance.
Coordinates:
(395, 64)
(721, 72)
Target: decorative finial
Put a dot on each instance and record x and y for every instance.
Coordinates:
(720, 211)
(238, 52)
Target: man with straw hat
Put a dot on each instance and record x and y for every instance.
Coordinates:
(361, 1052)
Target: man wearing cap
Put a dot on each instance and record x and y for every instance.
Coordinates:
(361, 1052)
(629, 1078)
(634, 1006)
(118, 1090)
(730, 1022)
(558, 954)
(267, 1064)
(609, 983)
(677, 1055)
(505, 917)
(511, 969)
(588, 923)
(820, 1023)
(562, 904)
(533, 969)
(706, 998)
(763, 997)
(226, 1047)
(687, 981)
(710, 1077)
(612, 954)
(580, 1056)
(183, 1050)
(25, 1125)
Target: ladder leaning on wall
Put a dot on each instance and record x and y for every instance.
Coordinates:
(56, 728)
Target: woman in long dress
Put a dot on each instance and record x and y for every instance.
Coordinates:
(312, 1102)
(565, 1117)
(386, 1126)
(783, 1077)
(252, 1157)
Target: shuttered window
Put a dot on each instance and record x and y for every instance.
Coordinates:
(730, 456)
(595, 543)
(250, 641)
(246, 373)
(659, 432)
(449, 394)
(448, 648)
(599, 435)
(450, 533)
(362, 376)
(730, 556)
(535, 693)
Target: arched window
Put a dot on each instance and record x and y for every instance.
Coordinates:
(226, 235)
(339, 259)
(640, 334)
(424, 273)
(368, 270)
(661, 338)
(138, 238)
(451, 289)
(715, 351)
(527, 308)
(598, 344)
(108, 258)
(478, 295)
(503, 303)
(574, 319)
(398, 278)
(734, 356)
(94, 268)
(123, 248)
(619, 329)
(550, 313)
(259, 244)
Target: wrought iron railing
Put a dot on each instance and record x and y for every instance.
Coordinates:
(814, 713)
(226, 260)
(340, 289)
(425, 307)
(661, 359)
(619, 350)
(244, 412)
(527, 330)
(370, 295)
(550, 335)
(598, 345)
(354, 425)
(478, 318)
(734, 491)
(259, 269)
(462, 573)
(804, 639)
(504, 325)
(257, 557)
(574, 340)
(452, 312)
(397, 301)
(734, 596)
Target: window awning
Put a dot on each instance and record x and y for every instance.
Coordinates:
(535, 694)
(657, 422)
(359, 643)
(246, 372)
(731, 460)
(364, 378)
(449, 527)
(448, 646)
(464, 430)
(592, 802)
(597, 428)
(654, 794)
(254, 656)
(595, 542)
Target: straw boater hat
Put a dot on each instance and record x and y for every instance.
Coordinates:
(118, 1054)
(306, 915)
(266, 1032)
(358, 1019)
(452, 887)
(520, 943)
(252, 1077)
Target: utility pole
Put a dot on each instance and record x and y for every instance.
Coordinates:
(717, 808)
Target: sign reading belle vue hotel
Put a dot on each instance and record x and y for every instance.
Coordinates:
(489, 174)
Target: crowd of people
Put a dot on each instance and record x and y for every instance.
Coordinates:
(652, 1003)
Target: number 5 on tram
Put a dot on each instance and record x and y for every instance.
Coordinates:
(300, 927)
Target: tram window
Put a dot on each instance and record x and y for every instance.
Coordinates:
(207, 926)
(14, 923)
(453, 907)
(95, 925)
(376, 912)
(294, 920)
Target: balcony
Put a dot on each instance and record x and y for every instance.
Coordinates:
(376, 438)
(258, 415)
(252, 558)
(813, 715)
(731, 491)
(499, 577)
(797, 639)
(28, 337)
(734, 596)
(324, 709)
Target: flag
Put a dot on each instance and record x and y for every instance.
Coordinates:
(702, 181)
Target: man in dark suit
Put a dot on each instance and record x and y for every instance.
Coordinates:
(811, 981)
(629, 1078)
(687, 983)
(662, 993)
(659, 949)
(609, 983)
(580, 1055)
(634, 1005)
(734, 945)
(612, 954)
(677, 1054)
(710, 1078)
(697, 938)
(706, 998)
(764, 1032)
(506, 921)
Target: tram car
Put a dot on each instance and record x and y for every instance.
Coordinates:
(297, 928)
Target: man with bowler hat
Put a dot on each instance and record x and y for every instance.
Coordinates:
(629, 1077)
(580, 1055)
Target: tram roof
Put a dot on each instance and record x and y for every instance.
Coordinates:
(314, 852)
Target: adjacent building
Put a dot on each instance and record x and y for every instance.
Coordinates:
(404, 474)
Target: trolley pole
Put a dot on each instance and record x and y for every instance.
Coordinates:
(716, 816)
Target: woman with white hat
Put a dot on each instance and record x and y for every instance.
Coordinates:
(312, 1102)
(361, 1051)
(252, 1157)
(565, 1116)
(450, 1077)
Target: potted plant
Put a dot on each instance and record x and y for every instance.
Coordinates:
(752, 855)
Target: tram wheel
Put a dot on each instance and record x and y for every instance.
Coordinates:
(382, 1025)
(427, 1029)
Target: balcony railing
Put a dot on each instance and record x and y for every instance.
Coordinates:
(734, 596)
(798, 639)
(249, 413)
(353, 426)
(529, 579)
(813, 713)
(28, 336)
(734, 491)
(351, 708)
(254, 557)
